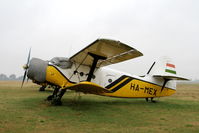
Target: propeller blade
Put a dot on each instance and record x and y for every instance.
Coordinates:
(24, 77)
(26, 68)
(28, 57)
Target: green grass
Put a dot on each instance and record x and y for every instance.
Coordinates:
(25, 111)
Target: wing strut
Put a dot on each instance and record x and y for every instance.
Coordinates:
(96, 58)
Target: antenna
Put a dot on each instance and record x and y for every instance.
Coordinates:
(151, 68)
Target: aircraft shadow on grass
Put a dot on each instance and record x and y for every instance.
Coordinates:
(88, 104)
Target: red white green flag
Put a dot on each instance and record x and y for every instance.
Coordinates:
(170, 68)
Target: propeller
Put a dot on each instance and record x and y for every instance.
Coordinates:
(26, 66)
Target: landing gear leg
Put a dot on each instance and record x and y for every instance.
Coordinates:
(57, 99)
(56, 90)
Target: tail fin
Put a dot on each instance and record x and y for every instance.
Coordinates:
(165, 68)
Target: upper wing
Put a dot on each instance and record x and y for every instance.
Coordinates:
(113, 51)
(88, 87)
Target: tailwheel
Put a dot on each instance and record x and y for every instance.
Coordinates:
(153, 101)
(147, 99)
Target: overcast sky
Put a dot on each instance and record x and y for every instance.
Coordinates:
(63, 27)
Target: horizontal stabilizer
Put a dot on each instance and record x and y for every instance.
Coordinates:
(171, 77)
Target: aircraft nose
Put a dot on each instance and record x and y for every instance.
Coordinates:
(37, 70)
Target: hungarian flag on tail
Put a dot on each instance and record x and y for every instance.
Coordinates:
(170, 68)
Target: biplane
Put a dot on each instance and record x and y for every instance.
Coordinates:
(86, 72)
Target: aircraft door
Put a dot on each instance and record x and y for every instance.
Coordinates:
(109, 79)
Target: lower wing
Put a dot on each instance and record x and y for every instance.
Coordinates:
(88, 87)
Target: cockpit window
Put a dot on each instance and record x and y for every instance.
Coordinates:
(61, 62)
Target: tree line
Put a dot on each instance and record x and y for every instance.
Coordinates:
(10, 77)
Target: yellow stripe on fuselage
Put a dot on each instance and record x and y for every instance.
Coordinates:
(136, 88)
(54, 76)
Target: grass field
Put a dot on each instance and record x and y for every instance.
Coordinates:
(25, 111)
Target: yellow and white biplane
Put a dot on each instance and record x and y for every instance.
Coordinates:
(85, 72)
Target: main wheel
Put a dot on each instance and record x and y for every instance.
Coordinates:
(42, 88)
(56, 101)
(49, 98)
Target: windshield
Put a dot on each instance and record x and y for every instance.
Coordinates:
(61, 62)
